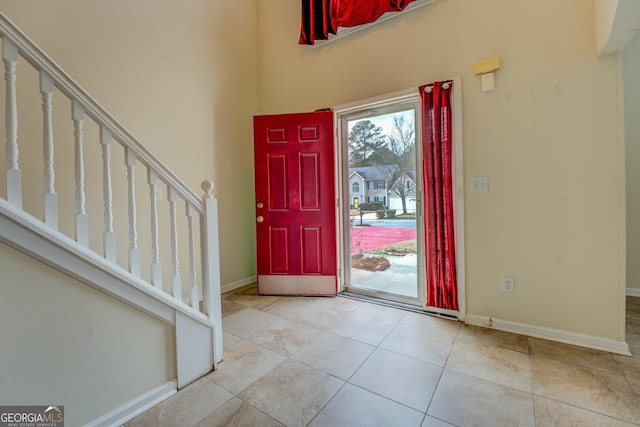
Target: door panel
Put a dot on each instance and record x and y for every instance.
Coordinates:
(279, 237)
(311, 250)
(310, 181)
(295, 204)
(278, 183)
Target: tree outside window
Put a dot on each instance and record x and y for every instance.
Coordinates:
(369, 145)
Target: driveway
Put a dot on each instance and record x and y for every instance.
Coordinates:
(376, 236)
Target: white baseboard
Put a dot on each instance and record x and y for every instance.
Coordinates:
(619, 347)
(240, 283)
(633, 292)
(136, 406)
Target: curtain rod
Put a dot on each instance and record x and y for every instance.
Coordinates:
(445, 86)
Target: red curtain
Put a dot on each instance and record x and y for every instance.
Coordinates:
(438, 188)
(351, 13)
(316, 22)
(323, 17)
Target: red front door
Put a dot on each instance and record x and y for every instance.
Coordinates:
(295, 204)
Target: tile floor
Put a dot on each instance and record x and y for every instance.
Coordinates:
(341, 362)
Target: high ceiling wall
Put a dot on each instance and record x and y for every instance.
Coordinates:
(549, 138)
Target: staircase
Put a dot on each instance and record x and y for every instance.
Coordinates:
(152, 245)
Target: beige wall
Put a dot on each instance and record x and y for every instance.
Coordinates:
(65, 343)
(548, 138)
(181, 77)
(632, 144)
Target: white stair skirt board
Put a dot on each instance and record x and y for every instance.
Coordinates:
(633, 292)
(194, 344)
(297, 285)
(136, 406)
(29, 235)
(35, 239)
(574, 338)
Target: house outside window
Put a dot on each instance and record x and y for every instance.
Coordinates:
(376, 185)
(373, 183)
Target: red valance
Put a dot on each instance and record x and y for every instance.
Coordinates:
(320, 18)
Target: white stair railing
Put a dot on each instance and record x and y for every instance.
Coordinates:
(199, 295)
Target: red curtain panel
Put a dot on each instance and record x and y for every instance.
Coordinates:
(316, 22)
(320, 18)
(438, 188)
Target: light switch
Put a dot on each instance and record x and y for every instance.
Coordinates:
(488, 82)
(479, 184)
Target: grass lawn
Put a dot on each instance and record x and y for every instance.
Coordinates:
(410, 215)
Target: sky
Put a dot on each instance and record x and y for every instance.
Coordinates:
(384, 121)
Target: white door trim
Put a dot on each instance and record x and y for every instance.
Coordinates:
(458, 184)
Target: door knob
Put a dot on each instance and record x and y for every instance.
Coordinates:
(260, 218)
(260, 205)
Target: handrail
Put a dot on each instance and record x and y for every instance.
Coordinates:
(41, 61)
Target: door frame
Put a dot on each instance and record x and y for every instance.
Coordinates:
(342, 220)
(409, 102)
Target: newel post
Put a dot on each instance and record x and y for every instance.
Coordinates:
(212, 300)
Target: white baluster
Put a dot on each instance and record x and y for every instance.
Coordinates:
(50, 197)
(211, 297)
(82, 222)
(109, 239)
(194, 297)
(176, 286)
(156, 267)
(134, 252)
(14, 180)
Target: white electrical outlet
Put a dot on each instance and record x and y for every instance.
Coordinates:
(479, 184)
(508, 283)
